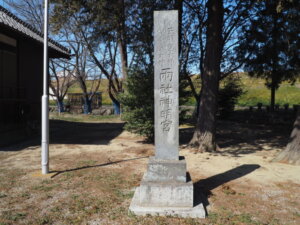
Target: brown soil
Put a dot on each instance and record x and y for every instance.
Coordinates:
(96, 166)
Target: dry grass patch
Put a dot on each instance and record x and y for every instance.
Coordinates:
(93, 183)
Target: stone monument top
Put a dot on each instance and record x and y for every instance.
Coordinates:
(166, 84)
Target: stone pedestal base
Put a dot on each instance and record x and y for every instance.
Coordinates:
(165, 191)
(166, 194)
(185, 212)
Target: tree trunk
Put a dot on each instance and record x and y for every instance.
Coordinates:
(204, 134)
(123, 52)
(179, 7)
(198, 104)
(117, 108)
(87, 106)
(122, 42)
(60, 105)
(275, 82)
(291, 154)
(273, 90)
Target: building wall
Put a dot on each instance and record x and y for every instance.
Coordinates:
(20, 101)
(8, 79)
(31, 77)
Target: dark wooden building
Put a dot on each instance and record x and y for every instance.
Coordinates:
(21, 71)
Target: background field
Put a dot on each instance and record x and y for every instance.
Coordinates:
(255, 92)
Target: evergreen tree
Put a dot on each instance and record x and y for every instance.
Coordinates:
(138, 102)
(291, 153)
(270, 41)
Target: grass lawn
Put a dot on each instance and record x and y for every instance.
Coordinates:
(256, 91)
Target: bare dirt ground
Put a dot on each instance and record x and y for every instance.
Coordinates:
(95, 167)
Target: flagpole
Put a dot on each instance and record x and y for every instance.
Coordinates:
(45, 99)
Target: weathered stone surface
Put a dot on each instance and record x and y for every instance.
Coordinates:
(166, 84)
(166, 170)
(185, 212)
(166, 194)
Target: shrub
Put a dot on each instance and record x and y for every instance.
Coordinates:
(138, 103)
(228, 96)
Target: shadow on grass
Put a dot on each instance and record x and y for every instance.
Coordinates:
(203, 188)
(97, 133)
(66, 132)
(237, 139)
(94, 166)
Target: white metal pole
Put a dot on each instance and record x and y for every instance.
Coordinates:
(45, 99)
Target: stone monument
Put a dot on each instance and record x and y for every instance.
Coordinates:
(165, 188)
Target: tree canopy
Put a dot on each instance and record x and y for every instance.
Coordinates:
(270, 42)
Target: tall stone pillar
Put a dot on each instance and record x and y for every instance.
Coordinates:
(165, 188)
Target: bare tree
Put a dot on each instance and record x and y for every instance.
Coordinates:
(61, 79)
(31, 11)
(105, 59)
(85, 71)
(105, 40)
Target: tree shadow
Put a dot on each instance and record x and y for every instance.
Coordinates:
(93, 166)
(203, 188)
(237, 139)
(66, 132)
